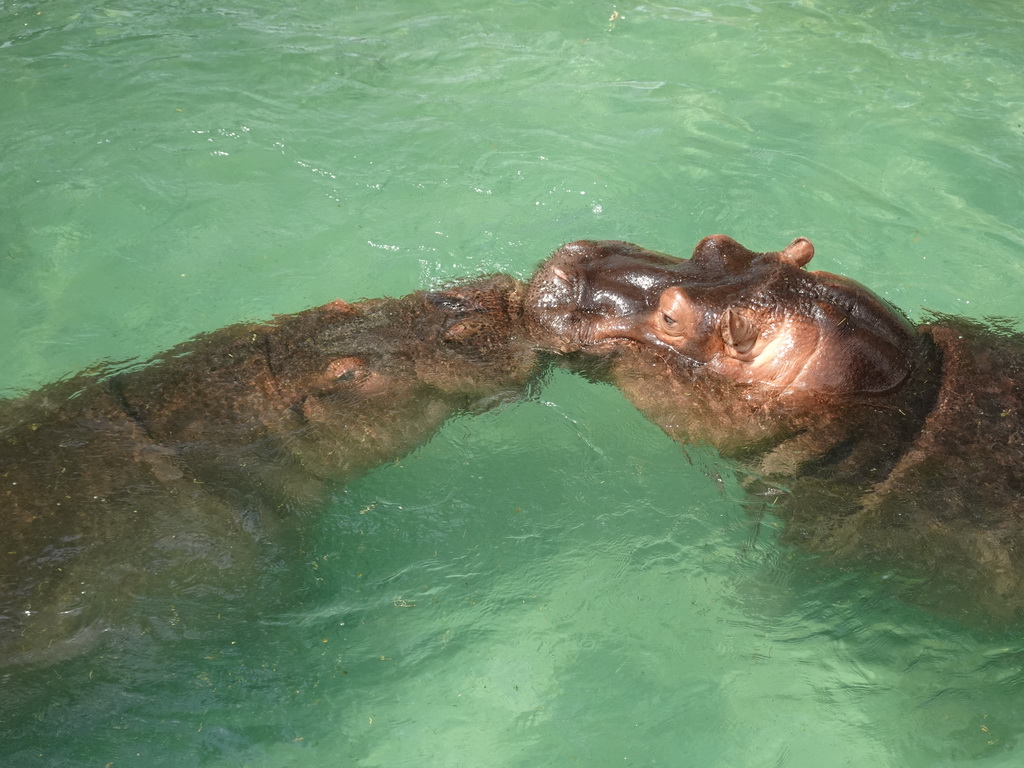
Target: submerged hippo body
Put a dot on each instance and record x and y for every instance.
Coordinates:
(872, 439)
(183, 474)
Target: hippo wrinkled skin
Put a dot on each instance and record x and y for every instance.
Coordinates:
(873, 440)
(180, 474)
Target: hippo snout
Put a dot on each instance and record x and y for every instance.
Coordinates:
(589, 291)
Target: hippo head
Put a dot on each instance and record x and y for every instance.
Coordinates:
(371, 380)
(335, 390)
(728, 334)
(462, 345)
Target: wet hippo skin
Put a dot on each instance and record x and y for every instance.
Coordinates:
(874, 441)
(185, 473)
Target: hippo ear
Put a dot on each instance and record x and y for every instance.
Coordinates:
(798, 253)
(341, 307)
(739, 334)
(675, 316)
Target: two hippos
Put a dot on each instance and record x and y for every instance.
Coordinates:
(873, 440)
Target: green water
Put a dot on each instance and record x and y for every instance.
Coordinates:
(554, 583)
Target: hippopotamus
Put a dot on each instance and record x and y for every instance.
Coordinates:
(180, 473)
(875, 442)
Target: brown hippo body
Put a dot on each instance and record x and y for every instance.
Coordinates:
(185, 473)
(873, 440)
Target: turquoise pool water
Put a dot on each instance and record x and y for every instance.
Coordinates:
(554, 583)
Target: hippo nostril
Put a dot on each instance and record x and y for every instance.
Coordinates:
(447, 302)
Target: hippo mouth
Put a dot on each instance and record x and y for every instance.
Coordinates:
(610, 346)
(608, 343)
(568, 331)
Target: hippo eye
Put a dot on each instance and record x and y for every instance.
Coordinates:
(676, 314)
(346, 369)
